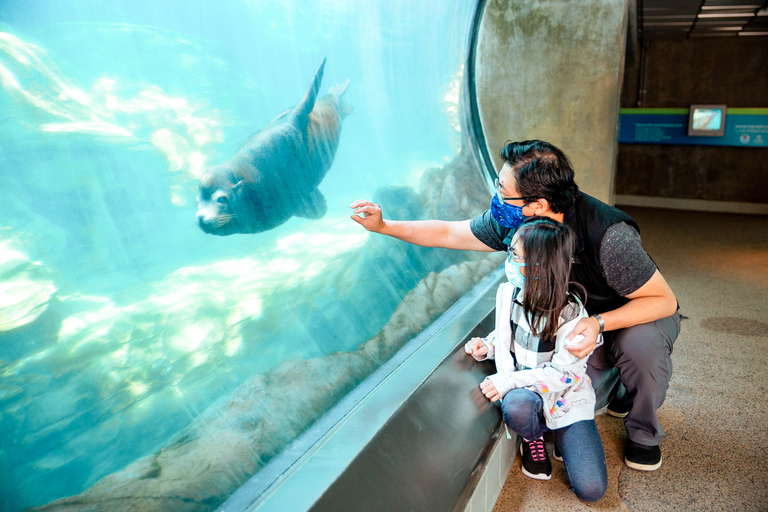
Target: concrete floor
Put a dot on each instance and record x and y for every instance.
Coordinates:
(715, 455)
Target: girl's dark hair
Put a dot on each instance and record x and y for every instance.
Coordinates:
(548, 249)
(542, 171)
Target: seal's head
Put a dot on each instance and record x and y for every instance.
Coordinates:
(217, 200)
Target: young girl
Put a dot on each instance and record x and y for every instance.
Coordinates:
(541, 385)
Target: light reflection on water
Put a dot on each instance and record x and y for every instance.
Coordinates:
(201, 306)
(182, 132)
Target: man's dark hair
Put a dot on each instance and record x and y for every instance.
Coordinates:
(541, 171)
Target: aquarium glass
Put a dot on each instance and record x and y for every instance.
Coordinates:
(146, 364)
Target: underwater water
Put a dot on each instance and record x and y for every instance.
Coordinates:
(125, 329)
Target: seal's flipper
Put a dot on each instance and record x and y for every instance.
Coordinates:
(338, 90)
(313, 208)
(300, 114)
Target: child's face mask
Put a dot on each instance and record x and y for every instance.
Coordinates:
(512, 269)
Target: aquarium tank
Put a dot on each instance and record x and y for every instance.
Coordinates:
(154, 353)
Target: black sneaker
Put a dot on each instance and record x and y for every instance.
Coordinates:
(556, 454)
(644, 458)
(536, 462)
(619, 407)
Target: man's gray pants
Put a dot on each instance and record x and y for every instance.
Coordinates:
(637, 361)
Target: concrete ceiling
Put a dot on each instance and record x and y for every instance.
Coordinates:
(675, 19)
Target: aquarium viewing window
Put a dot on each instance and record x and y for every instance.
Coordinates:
(156, 347)
(706, 120)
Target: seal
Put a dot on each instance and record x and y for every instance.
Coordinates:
(275, 173)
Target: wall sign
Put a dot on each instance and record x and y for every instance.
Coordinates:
(743, 127)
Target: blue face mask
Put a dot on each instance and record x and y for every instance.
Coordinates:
(514, 275)
(507, 215)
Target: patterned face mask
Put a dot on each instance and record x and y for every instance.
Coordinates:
(507, 215)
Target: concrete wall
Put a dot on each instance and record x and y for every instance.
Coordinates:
(551, 70)
(721, 70)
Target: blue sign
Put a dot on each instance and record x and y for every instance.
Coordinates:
(746, 127)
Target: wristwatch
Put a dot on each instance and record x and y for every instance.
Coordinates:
(600, 321)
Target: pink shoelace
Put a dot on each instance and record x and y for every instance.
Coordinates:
(537, 449)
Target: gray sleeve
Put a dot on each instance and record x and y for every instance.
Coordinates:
(488, 231)
(625, 263)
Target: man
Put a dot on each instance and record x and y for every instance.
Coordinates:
(628, 298)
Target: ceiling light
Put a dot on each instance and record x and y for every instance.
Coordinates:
(727, 7)
(727, 15)
(670, 17)
(667, 24)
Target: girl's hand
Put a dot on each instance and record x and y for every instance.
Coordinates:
(489, 390)
(476, 348)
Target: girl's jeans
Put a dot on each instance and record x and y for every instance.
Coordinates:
(579, 443)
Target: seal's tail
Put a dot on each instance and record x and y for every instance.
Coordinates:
(338, 90)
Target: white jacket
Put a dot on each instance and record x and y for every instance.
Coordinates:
(562, 382)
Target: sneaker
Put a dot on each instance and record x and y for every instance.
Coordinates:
(619, 407)
(644, 458)
(556, 454)
(536, 462)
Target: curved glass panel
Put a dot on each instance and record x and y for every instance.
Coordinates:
(146, 362)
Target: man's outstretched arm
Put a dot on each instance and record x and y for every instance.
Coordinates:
(427, 233)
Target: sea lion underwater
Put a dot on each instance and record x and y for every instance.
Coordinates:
(275, 173)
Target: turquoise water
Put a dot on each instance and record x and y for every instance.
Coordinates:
(120, 320)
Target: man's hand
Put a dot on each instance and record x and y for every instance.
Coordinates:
(589, 328)
(455, 234)
(489, 390)
(368, 215)
(476, 348)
